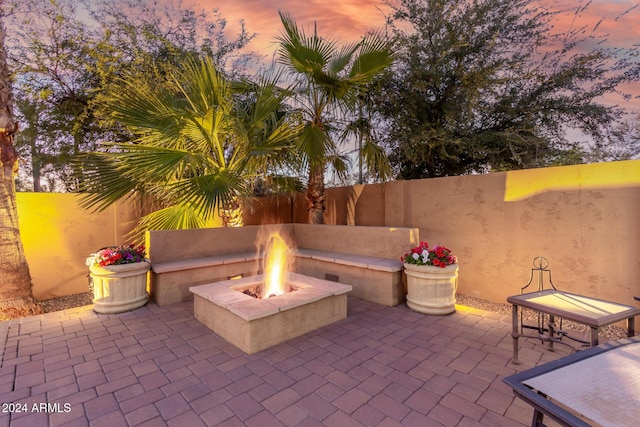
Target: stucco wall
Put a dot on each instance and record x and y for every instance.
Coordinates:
(58, 236)
(585, 219)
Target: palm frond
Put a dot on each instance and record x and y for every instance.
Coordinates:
(103, 182)
(343, 58)
(203, 87)
(376, 54)
(135, 161)
(340, 165)
(314, 145)
(174, 217)
(375, 159)
(304, 54)
(206, 193)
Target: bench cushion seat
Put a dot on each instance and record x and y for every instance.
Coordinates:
(361, 261)
(188, 264)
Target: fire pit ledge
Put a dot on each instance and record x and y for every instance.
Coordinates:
(255, 324)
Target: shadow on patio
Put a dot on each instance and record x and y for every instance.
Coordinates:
(159, 366)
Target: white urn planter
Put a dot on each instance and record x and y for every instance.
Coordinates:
(431, 290)
(119, 288)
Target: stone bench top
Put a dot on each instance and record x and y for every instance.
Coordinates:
(361, 261)
(187, 264)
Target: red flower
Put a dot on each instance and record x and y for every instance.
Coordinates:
(439, 256)
(117, 255)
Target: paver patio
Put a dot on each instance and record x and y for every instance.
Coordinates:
(159, 366)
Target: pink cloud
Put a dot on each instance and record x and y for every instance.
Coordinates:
(345, 20)
(615, 20)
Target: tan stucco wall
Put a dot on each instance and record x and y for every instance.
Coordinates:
(585, 219)
(58, 236)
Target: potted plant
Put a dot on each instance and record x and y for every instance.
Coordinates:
(118, 278)
(432, 279)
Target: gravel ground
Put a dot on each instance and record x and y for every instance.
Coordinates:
(79, 300)
(48, 306)
(66, 302)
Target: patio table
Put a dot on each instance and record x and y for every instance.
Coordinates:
(597, 386)
(595, 313)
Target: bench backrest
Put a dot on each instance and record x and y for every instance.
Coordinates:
(383, 242)
(175, 245)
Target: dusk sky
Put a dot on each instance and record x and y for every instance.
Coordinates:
(347, 20)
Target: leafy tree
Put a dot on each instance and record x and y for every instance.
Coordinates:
(15, 280)
(623, 143)
(66, 66)
(328, 81)
(50, 55)
(44, 146)
(487, 85)
(198, 145)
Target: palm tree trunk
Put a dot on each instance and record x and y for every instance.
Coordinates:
(232, 213)
(15, 280)
(315, 195)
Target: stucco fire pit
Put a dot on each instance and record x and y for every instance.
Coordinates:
(253, 324)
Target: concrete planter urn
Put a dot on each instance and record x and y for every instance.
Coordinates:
(119, 288)
(431, 290)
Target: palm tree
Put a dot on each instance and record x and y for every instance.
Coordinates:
(199, 144)
(329, 80)
(15, 280)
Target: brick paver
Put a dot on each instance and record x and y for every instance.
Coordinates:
(386, 366)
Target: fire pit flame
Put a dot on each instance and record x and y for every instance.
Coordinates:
(276, 264)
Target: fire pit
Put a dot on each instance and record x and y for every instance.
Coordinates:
(253, 324)
(257, 312)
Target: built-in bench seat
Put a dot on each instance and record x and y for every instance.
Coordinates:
(367, 258)
(210, 261)
(360, 261)
(372, 278)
